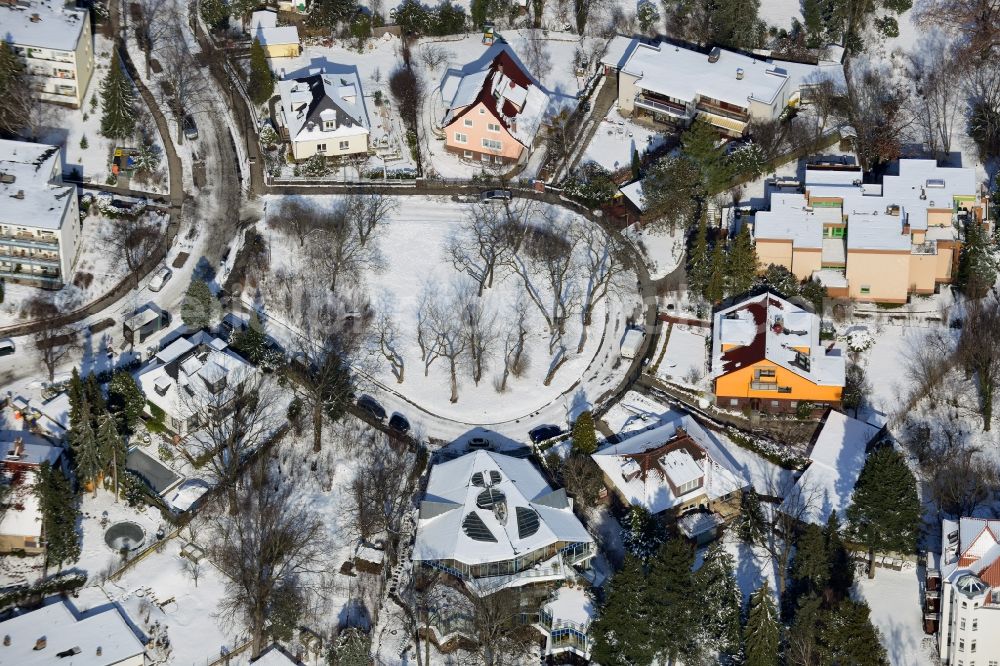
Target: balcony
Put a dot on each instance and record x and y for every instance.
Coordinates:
(28, 242)
(44, 262)
(716, 110)
(661, 105)
(927, 247)
(47, 279)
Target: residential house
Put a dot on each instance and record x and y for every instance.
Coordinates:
(143, 323)
(278, 41)
(492, 522)
(836, 460)
(870, 241)
(493, 108)
(962, 597)
(40, 225)
(324, 114)
(21, 524)
(564, 621)
(675, 85)
(55, 42)
(58, 634)
(677, 468)
(767, 356)
(187, 374)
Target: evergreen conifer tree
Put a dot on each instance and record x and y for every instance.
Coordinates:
(13, 82)
(674, 615)
(261, 79)
(196, 310)
(811, 567)
(701, 144)
(841, 564)
(849, 637)
(118, 103)
(699, 267)
(762, 633)
(715, 290)
(621, 633)
(76, 399)
(584, 434)
(125, 401)
(112, 450)
(635, 164)
(977, 264)
(86, 450)
(58, 506)
(721, 602)
(802, 645)
(750, 522)
(884, 513)
(742, 263)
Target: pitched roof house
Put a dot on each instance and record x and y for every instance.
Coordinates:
(493, 108)
(22, 454)
(676, 467)
(278, 41)
(493, 522)
(324, 114)
(766, 355)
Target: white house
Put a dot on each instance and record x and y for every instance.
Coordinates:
(40, 219)
(186, 374)
(564, 620)
(837, 459)
(56, 44)
(56, 634)
(279, 41)
(324, 114)
(965, 591)
(724, 88)
(493, 522)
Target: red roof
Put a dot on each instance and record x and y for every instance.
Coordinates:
(505, 64)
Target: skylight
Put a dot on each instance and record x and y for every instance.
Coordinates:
(488, 498)
(476, 529)
(527, 522)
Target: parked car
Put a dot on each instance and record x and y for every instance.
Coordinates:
(7, 347)
(190, 128)
(161, 278)
(495, 195)
(399, 423)
(370, 405)
(544, 432)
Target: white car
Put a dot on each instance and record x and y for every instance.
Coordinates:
(159, 279)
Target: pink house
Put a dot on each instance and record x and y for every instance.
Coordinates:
(493, 112)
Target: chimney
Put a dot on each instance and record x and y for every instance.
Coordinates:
(739, 73)
(35, 18)
(6, 640)
(40, 643)
(714, 54)
(99, 651)
(19, 195)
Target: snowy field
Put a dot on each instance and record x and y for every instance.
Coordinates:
(895, 601)
(684, 361)
(615, 140)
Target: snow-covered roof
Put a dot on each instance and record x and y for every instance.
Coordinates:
(30, 184)
(27, 449)
(308, 102)
(638, 469)
(58, 26)
(618, 51)
(489, 507)
(571, 604)
(186, 494)
(187, 368)
(792, 219)
(501, 83)
(971, 546)
(769, 327)
(56, 413)
(698, 522)
(285, 34)
(24, 517)
(105, 630)
(263, 18)
(633, 192)
(836, 462)
(878, 232)
(275, 656)
(734, 78)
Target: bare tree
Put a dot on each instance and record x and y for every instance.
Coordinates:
(877, 110)
(450, 336)
(339, 251)
(536, 54)
(54, 342)
(193, 568)
(427, 342)
(976, 23)
(483, 242)
(297, 217)
(381, 490)
(387, 342)
(603, 268)
(269, 547)
(227, 421)
(369, 211)
(132, 240)
(38, 114)
(960, 481)
(936, 104)
(501, 640)
(979, 351)
(434, 55)
(183, 82)
(479, 329)
(514, 354)
(154, 21)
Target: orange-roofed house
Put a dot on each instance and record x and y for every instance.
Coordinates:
(962, 592)
(767, 356)
(493, 109)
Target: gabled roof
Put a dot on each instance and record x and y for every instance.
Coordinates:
(638, 470)
(309, 101)
(971, 546)
(482, 507)
(838, 457)
(769, 327)
(502, 84)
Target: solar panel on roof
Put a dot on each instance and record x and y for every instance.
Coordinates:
(476, 529)
(488, 498)
(477, 480)
(495, 477)
(527, 522)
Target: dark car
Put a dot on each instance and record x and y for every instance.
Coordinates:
(495, 195)
(544, 432)
(399, 423)
(370, 405)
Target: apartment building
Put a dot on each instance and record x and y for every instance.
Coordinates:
(324, 114)
(962, 595)
(494, 108)
(871, 241)
(55, 41)
(677, 468)
(675, 85)
(40, 224)
(767, 356)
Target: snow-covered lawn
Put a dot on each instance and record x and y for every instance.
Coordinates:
(616, 138)
(416, 265)
(895, 602)
(684, 359)
(663, 249)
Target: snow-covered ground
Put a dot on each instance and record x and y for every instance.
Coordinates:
(684, 361)
(662, 249)
(615, 140)
(895, 601)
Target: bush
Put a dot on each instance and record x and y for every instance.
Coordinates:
(59, 584)
(804, 410)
